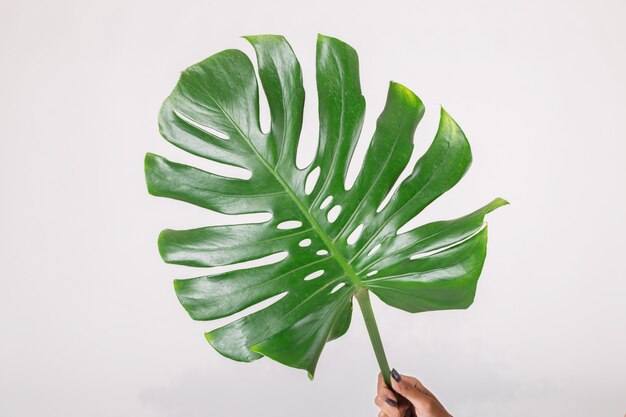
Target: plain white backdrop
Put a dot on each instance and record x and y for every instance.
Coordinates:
(89, 323)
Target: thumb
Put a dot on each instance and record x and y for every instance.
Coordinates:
(409, 388)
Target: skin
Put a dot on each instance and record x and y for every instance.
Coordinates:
(412, 399)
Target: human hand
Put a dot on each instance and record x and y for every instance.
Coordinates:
(411, 398)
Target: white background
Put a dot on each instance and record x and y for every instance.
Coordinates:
(89, 323)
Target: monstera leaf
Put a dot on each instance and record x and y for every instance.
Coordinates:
(336, 243)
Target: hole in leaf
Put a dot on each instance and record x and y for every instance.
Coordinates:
(355, 235)
(386, 200)
(356, 161)
(422, 140)
(338, 287)
(374, 272)
(308, 143)
(304, 243)
(231, 219)
(322, 252)
(314, 275)
(326, 202)
(334, 213)
(374, 250)
(204, 162)
(289, 224)
(265, 118)
(311, 180)
(266, 260)
(218, 134)
(255, 307)
(264, 113)
(444, 248)
(226, 170)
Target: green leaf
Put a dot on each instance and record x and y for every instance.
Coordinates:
(213, 112)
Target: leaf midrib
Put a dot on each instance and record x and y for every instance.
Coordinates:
(341, 260)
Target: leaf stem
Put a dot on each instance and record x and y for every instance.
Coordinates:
(363, 297)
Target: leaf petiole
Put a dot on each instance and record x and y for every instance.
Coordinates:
(363, 297)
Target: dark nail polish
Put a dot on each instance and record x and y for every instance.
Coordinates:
(395, 375)
(391, 402)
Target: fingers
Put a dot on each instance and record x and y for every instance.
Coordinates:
(413, 390)
(386, 400)
(410, 388)
(388, 406)
(384, 391)
(403, 412)
(381, 384)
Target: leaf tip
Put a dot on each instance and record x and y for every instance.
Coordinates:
(151, 164)
(406, 93)
(148, 160)
(253, 38)
(501, 202)
(443, 112)
(321, 38)
(180, 290)
(179, 287)
(497, 203)
(452, 132)
(162, 244)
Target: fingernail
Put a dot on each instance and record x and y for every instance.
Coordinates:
(395, 375)
(391, 402)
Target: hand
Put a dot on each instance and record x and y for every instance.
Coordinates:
(411, 398)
